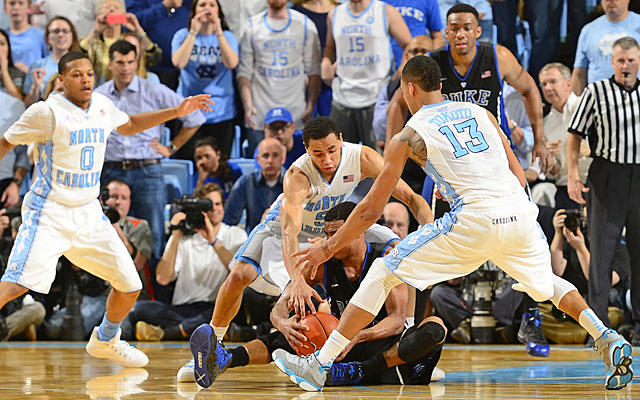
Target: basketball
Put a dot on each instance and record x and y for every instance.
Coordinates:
(320, 325)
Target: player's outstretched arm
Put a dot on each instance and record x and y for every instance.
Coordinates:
(296, 188)
(5, 147)
(142, 121)
(367, 211)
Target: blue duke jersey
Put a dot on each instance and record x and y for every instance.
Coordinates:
(465, 155)
(363, 54)
(70, 146)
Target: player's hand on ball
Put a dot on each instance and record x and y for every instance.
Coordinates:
(193, 103)
(301, 296)
(290, 328)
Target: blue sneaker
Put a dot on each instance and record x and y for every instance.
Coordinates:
(616, 353)
(531, 335)
(343, 374)
(210, 358)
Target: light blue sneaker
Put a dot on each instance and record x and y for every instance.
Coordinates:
(305, 372)
(616, 353)
(185, 373)
(210, 358)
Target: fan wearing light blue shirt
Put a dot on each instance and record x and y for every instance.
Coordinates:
(206, 52)
(136, 159)
(27, 42)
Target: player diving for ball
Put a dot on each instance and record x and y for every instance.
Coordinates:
(318, 180)
(373, 355)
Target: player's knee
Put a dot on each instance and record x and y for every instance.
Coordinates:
(241, 276)
(420, 342)
(436, 320)
(561, 287)
(540, 294)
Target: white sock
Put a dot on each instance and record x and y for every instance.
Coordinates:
(332, 348)
(219, 331)
(409, 322)
(589, 321)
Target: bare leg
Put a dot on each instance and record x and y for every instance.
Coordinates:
(573, 304)
(230, 293)
(353, 320)
(10, 291)
(119, 304)
(258, 352)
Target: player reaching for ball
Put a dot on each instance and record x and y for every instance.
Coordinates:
(384, 353)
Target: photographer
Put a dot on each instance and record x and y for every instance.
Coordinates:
(197, 257)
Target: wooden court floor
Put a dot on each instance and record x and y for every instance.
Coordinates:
(57, 370)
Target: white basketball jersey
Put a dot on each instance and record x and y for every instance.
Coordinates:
(69, 155)
(363, 54)
(326, 195)
(465, 155)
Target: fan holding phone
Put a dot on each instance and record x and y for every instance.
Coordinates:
(110, 20)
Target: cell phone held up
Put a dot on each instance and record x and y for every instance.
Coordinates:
(113, 19)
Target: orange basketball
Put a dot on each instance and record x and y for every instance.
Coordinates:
(320, 325)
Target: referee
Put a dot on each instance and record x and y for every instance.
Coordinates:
(609, 116)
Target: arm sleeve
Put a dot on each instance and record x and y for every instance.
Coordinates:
(311, 56)
(235, 202)
(35, 125)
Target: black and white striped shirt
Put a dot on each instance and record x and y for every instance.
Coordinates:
(610, 115)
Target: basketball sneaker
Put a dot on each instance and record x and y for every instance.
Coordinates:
(120, 385)
(210, 358)
(531, 335)
(616, 353)
(305, 372)
(185, 373)
(343, 374)
(117, 350)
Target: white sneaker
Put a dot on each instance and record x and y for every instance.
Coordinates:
(185, 374)
(437, 375)
(117, 350)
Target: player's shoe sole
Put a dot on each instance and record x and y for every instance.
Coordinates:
(302, 383)
(621, 372)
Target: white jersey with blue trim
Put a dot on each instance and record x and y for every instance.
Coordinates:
(70, 146)
(465, 155)
(325, 195)
(363, 54)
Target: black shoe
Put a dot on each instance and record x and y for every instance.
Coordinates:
(531, 335)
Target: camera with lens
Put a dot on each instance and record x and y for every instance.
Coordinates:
(110, 212)
(482, 321)
(193, 208)
(575, 220)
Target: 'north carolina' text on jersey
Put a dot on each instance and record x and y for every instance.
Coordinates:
(363, 54)
(460, 137)
(70, 146)
(481, 85)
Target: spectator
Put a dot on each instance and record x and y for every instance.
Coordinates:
(357, 63)
(134, 232)
(12, 77)
(422, 17)
(206, 53)
(27, 42)
(555, 80)
(318, 10)
(136, 159)
(257, 191)
(593, 56)
(61, 37)
(277, 54)
(614, 175)
(22, 316)
(396, 218)
(519, 125)
(54, 85)
(97, 43)
(279, 125)
(198, 262)
(485, 13)
(161, 19)
(13, 169)
(79, 12)
(213, 166)
(142, 72)
(239, 12)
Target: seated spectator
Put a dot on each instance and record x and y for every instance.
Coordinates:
(61, 37)
(279, 124)
(206, 53)
(198, 262)
(143, 62)
(12, 77)
(21, 317)
(396, 218)
(134, 232)
(136, 158)
(97, 43)
(213, 166)
(257, 191)
(27, 42)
